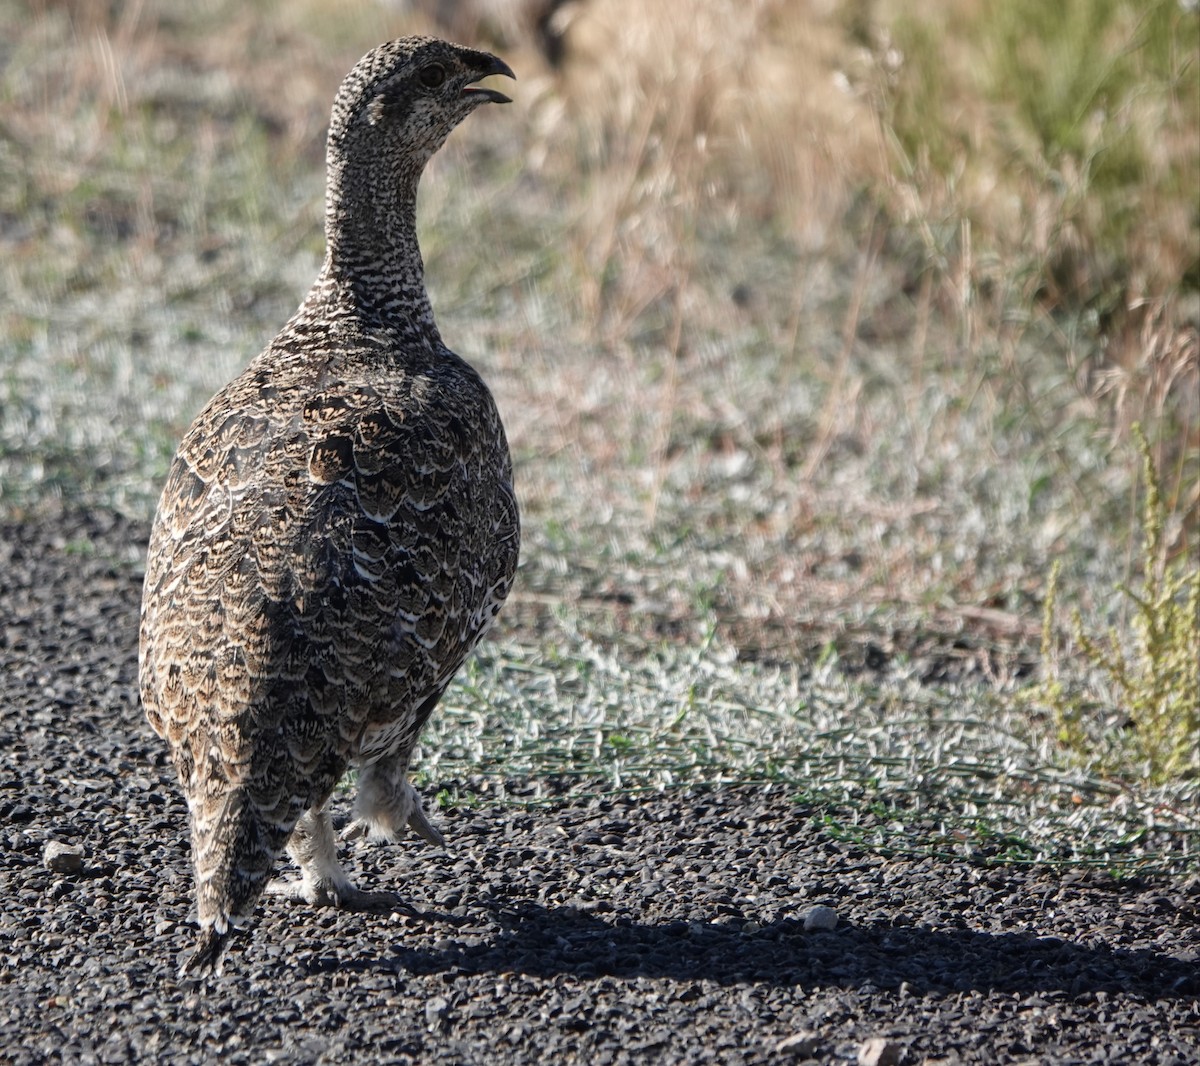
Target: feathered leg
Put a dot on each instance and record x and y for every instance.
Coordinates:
(323, 882)
(314, 849)
(387, 803)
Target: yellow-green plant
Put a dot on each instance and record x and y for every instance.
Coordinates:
(1156, 685)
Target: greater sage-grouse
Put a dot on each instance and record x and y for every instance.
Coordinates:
(337, 531)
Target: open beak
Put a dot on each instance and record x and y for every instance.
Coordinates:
(487, 65)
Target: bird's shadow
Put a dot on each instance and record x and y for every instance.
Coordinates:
(546, 941)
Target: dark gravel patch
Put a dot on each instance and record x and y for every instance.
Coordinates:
(642, 929)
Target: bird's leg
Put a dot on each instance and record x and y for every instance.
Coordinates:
(313, 848)
(323, 882)
(387, 802)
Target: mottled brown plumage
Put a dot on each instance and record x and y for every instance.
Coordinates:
(338, 528)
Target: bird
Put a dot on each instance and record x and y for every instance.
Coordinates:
(337, 531)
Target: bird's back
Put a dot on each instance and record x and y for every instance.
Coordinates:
(337, 531)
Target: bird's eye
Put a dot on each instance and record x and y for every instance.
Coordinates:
(432, 76)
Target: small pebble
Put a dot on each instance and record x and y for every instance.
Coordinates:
(62, 858)
(803, 1045)
(880, 1052)
(820, 918)
(435, 1010)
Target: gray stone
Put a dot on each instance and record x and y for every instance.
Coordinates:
(62, 858)
(803, 1045)
(820, 918)
(879, 1051)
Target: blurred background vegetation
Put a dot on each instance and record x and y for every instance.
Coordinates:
(820, 328)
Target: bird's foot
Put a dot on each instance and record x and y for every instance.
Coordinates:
(417, 822)
(344, 896)
(357, 899)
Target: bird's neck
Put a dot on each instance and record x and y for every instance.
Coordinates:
(373, 265)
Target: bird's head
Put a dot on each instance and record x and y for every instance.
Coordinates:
(403, 98)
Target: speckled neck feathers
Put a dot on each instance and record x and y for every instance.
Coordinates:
(373, 264)
(387, 122)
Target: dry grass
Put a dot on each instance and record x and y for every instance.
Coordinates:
(1027, 162)
(781, 394)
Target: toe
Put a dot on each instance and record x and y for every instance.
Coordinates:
(355, 899)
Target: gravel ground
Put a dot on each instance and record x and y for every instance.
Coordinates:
(660, 928)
